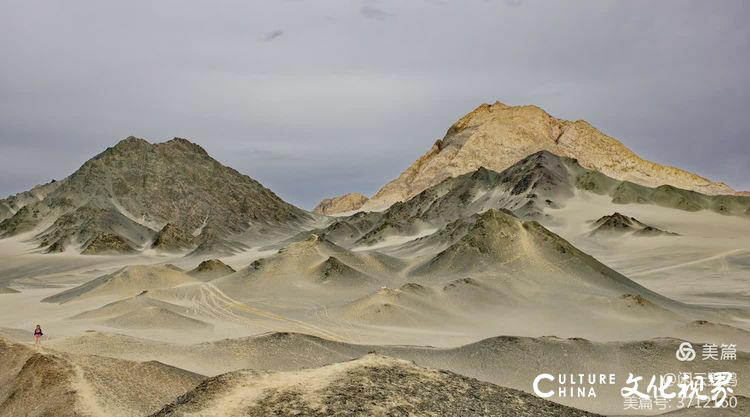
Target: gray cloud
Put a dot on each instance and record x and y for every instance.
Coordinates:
(373, 13)
(344, 106)
(273, 35)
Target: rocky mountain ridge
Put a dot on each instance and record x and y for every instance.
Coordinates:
(495, 136)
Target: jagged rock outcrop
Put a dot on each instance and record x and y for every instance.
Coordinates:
(104, 243)
(9, 206)
(495, 136)
(172, 239)
(120, 200)
(341, 204)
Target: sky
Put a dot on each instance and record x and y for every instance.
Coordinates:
(319, 98)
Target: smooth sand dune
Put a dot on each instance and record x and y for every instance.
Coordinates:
(157, 318)
(127, 281)
(129, 305)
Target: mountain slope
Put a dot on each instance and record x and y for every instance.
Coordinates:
(373, 385)
(125, 282)
(119, 200)
(309, 264)
(531, 257)
(52, 384)
(531, 188)
(340, 204)
(502, 360)
(496, 136)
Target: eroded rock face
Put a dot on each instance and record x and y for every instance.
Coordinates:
(496, 136)
(123, 197)
(172, 239)
(107, 243)
(341, 204)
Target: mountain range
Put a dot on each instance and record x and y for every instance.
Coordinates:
(519, 244)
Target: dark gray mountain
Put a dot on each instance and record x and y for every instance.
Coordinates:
(124, 198)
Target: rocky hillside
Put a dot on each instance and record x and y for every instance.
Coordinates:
(171, 195)
(54, 384)
(618, 224)
(531, 188)
(341, 204)
(496, 136)
(374, 385)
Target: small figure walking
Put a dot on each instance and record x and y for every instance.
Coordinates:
(38, 336)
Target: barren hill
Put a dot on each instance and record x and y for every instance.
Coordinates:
(172, 195)
(341, 204)
(125, 282)
(373, 385)
(56, 384)
(495, 136)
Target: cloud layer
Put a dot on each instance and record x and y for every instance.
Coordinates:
(319, 98)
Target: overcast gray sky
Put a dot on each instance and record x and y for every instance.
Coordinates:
(317, 98)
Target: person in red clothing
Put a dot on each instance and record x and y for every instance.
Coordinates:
(38, 336)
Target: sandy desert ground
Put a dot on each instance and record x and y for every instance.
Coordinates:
(157, 311)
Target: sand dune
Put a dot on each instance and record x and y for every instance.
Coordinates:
(6, 290)
(129, 305)
(127, 281)
(157, 318)
(410, 307)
